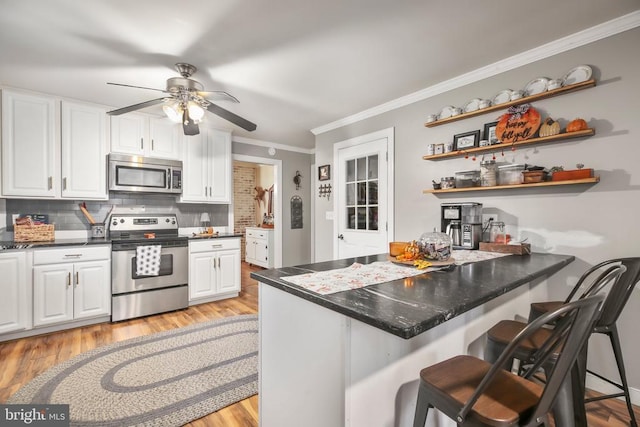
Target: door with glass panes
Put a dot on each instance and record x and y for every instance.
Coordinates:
(362, 199)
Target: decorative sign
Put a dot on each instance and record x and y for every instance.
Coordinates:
(519, 123)
(296, 212)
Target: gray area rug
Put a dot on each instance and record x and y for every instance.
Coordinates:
(164, 379)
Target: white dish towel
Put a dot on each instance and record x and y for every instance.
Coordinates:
(148, 260)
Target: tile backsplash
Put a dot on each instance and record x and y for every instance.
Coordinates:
(66, 214)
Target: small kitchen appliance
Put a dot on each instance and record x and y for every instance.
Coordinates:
(136, 294)
(463, 222)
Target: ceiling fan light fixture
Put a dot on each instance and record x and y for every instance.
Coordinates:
(173, 110)
(196, 112)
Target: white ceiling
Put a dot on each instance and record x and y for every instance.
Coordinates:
(295, 65)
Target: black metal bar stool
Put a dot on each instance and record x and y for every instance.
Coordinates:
(622, 276)
(474, 392)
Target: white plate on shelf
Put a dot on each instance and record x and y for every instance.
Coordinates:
(446, 112)
(579, 74)
(472, 105)
(502, 97)
(536, 86)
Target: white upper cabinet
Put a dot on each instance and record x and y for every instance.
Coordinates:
(84, 151)
(207, 167)
(52, 149)
(142, 135)
(30, 145)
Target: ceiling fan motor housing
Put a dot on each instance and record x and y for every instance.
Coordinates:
(178, 84)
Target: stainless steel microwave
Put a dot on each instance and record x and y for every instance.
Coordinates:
(144, 174)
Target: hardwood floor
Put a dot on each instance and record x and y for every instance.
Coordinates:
(22, 360)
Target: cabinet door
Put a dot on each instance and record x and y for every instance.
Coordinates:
(228, 271)
(262, 252)
(15, 306)
(201, 275)
(165, 139)
(250, 250)
(84, 150)
(52, 294)
(128, 134)
(30, 145)
(220, 166)
(195, 180)
(92, 289)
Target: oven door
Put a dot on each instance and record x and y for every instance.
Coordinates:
(173, 270)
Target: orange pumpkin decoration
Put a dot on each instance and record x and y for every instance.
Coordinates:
(576, 125)
(519, 123)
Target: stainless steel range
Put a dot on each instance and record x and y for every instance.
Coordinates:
(165, 289)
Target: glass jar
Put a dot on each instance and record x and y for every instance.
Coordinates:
(488, 173)
(435, 246)
(497, 232)
(447, 182)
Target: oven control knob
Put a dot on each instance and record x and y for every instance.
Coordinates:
(114, 223)
(173, 222)
(121, 220)
(166, 220)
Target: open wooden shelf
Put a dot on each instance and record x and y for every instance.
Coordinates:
(497, 147)
(592, 180)
(526, 99)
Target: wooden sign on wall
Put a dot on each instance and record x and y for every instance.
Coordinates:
(296, 212)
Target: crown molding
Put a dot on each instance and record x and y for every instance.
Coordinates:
(268, 144)
(581, 38)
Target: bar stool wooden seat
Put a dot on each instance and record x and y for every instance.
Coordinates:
(617, 280)
(474, 392)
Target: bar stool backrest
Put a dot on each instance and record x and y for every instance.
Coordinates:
(577, 318)
(620, 292)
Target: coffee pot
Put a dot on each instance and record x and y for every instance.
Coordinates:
(453, 230)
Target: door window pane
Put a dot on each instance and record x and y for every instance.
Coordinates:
(373, 167)
(362, 218)
(351, 170)
(373, 218)
(373, 193)
(351, 194)
(361, 168)
(362, 193)
(351, 218)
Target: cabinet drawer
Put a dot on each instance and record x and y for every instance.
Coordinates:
(256, 233)
(214, 245)
(71, 254)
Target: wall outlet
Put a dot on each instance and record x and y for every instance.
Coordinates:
(14, 217)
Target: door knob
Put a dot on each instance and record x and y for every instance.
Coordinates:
(340, 236)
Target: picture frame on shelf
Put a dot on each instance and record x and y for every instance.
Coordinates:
(490, 133)
(324, 173)
(466, 140)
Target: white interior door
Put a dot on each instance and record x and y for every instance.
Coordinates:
(362, 195)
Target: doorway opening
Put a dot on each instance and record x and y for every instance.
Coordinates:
(256, 202)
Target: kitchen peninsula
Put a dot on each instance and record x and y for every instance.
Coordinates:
(352, 358)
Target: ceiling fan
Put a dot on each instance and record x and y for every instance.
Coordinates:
(185, 102)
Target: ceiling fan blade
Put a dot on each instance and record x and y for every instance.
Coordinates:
(138, 87)
(135, 107)
(233, 118)
(188, 125)
(219, 95)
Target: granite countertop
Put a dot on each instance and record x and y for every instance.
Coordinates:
(408, 307)
(6, 245)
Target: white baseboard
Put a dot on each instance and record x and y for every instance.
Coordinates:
(596, 384)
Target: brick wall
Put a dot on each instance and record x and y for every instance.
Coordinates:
(244, 210)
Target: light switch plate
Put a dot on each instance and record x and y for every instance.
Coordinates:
(328, 215)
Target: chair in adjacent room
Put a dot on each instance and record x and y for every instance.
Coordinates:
(474, 392)
(619, 277)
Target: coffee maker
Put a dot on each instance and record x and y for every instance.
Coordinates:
(463, 223)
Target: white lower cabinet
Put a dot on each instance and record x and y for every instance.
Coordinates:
(214, 269)
(71, 284)
(15, 304)
(259, 246)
